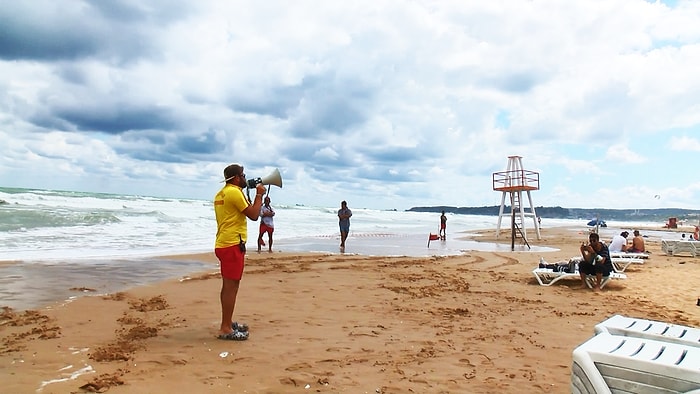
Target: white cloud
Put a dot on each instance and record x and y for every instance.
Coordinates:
(620, 153)
(683, 143)
(326, 153)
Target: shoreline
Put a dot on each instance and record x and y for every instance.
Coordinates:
(74, 279)
(476, 322)
(34, 284)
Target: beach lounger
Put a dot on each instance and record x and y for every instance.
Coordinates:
(548, 277)
(610, 363)
(675, 248)
(621, 264)
(626, 255)
(650, 329)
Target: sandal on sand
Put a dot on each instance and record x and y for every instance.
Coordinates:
(234, 336)
(242, 327)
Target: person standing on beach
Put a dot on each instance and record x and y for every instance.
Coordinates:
(344, 214)
(231, 208)
(267, 225)
(443, 225)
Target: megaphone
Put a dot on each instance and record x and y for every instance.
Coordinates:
(274, 178)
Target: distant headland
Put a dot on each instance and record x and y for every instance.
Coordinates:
(632, 215)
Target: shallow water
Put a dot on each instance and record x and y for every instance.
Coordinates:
(25, 286)
(397, 245)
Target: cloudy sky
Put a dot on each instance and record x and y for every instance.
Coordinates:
(384, 103)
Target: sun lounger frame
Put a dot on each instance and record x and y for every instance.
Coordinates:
(620, 264)
(548, 277)
(627, 255)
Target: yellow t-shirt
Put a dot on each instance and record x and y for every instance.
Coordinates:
(232, 225)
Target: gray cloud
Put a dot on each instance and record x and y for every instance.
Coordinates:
(43, 37)
(332, 107)
(170, 146)
(200, 144)
(118, 118)
(69, 30)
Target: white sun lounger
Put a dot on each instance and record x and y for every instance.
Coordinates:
(651, 329)
(609, 363)
(675, 248)
(548, 277)
(626, 255)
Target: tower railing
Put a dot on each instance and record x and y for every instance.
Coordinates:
(516, 180)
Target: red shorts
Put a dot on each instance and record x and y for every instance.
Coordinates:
(264, 228)
(232, 261)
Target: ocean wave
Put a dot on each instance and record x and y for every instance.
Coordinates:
(44, 225)
(18, 218)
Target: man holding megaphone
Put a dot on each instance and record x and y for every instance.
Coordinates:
(232, 208)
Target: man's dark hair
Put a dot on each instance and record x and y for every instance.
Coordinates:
(232, 171)
(594, 237)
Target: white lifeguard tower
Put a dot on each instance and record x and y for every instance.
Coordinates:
(513, 182)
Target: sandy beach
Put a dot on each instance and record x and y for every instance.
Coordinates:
(333, 323)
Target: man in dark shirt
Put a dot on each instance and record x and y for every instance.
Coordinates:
(596, 261)
(344, 214)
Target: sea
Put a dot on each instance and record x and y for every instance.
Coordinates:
(53, 242)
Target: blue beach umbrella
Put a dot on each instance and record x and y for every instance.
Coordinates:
(596, 222)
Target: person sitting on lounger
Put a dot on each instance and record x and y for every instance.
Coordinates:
(619, 242)
(637, 243)
(596, 261)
